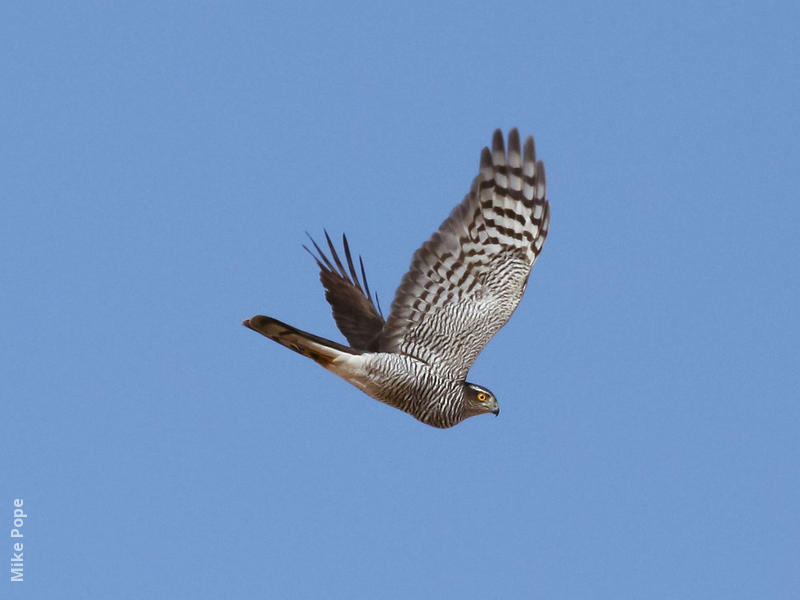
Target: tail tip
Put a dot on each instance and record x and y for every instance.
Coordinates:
(257, 323)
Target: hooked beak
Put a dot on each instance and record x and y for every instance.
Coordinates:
(496, 411)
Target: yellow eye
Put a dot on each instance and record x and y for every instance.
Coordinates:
(481, 397)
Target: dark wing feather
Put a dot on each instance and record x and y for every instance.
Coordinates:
(468, 278)
(353, 308)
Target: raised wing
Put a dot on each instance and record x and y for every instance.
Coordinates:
(353, 309)
(466, 280)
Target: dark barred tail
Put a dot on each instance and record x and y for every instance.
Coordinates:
(314, 347)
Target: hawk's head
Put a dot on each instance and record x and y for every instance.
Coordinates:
(478, 400)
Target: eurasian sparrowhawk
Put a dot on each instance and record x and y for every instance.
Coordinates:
(462, 287)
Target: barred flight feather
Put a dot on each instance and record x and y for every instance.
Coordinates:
(468, 278)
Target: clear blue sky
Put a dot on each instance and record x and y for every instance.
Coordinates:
(159, 163)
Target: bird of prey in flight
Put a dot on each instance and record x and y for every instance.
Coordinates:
(461, 288)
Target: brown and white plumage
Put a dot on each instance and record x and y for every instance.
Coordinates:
(356, 315)
(462, 287)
